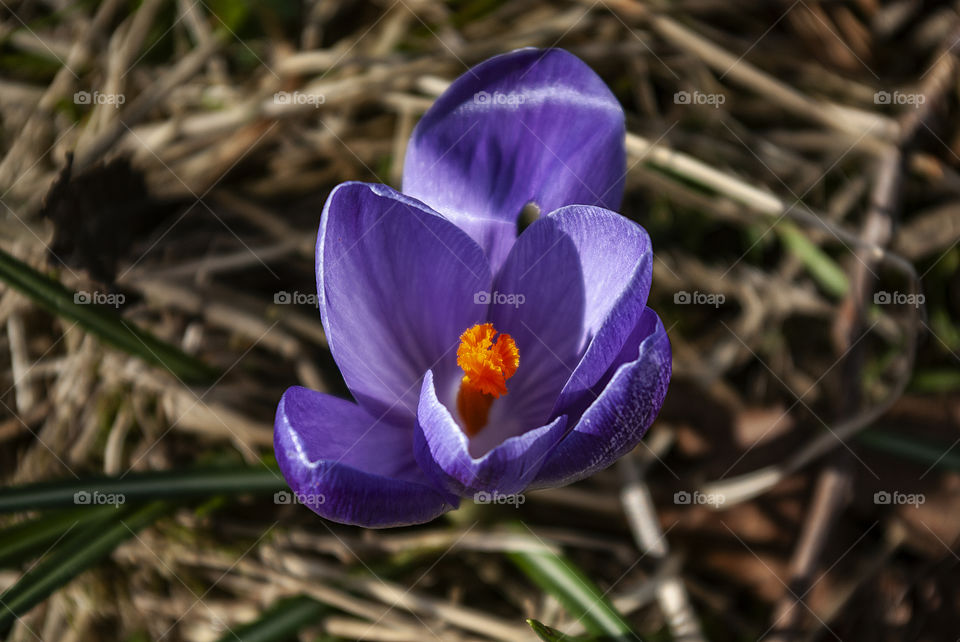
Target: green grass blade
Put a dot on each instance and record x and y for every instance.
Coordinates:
(78, 552)
(578, 594)
(23, 541)
(169, 484)
(545, 633)
(548, 634)
(935, 380)
(101, 321)
(821, 266)
(280, 622)
(924, 452)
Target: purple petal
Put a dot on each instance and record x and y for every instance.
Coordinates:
(397, 284)
(527, 126)
(584, 274)
(616, 260)
(538, 300)
(620, 416)
(445, 454)
(350, 467)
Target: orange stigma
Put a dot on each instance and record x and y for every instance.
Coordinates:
(486, 367)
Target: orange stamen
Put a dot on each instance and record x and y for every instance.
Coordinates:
(487, 364)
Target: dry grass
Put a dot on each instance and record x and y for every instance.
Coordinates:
(197, 199)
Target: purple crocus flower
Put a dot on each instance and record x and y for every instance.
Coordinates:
(480, 360)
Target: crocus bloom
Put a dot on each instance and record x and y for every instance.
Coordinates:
(482, 360)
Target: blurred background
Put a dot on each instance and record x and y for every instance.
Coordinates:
(163, 165)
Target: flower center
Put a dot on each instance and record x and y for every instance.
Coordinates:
(487, 364)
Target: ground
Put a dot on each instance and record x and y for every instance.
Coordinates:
(795, 164)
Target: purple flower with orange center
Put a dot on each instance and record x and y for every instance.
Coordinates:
(481, 360)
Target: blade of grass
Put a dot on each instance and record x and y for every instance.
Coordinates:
(169, 484)
(935, 380)
(76, 554)
(22, 541)
(581, 598)
(548, 634)
(281, 621)
(924, 452)
(820, 265)
(101, 321)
